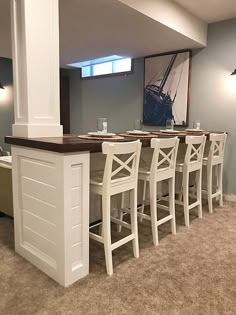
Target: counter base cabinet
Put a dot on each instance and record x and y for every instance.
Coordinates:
(51, 211)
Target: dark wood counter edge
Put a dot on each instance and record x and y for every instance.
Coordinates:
(68, 143)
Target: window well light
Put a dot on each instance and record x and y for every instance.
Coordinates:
(103, 66)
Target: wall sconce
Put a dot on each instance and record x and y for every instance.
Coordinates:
(1, 86)
(234, 72)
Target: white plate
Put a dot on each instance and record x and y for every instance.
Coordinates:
(100, 134)
(194, 130)
(170, 131)
(138, 132)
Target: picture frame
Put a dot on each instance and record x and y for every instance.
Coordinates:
(166, 88)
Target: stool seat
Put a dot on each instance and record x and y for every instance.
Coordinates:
(215, 160)
(179, 166)
(96, 178)
(147, 171)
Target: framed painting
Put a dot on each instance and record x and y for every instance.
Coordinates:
(166, 88)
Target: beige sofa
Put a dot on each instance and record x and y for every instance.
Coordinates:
(6, 198)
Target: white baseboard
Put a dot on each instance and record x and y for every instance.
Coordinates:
(230, 197)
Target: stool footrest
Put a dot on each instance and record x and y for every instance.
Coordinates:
(120, 222)
(144, 216)
(165, 219)
(190, 206)
(122, 241)
(95, 224)
(193, 205)
(96, 237)
(216, 194)
(163, 207)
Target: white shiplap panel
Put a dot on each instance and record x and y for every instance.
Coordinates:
(76, 234)
(39, 226)
(75, 197)
(41, 243)
(76, 253)
(76, 175)
(76, 216)
(39, 190)
(63, 202)
(39, 170)
(42, 209)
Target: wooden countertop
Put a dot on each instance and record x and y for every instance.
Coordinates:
(71, 143)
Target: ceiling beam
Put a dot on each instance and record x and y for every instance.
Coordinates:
(173, 16)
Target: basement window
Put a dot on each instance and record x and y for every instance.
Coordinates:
(104, 66)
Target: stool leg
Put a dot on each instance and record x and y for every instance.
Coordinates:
(107, 233)
(209, 187)
(119, 227)
(220, 176)
(143, 198)
(101, 225)
(216, 169)
(134, 221)
(199, 191)
(172, 204)
(185, 197)
(153, 206)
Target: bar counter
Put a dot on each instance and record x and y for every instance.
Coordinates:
(52, 201)
(71, 143)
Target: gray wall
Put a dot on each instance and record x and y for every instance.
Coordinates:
(213, 98)
(6, 100)
(119, 98)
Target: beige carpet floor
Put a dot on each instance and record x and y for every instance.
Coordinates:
(193, 272)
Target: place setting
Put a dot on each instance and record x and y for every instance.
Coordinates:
(196, 130)
(169, 130)
(137, 131)
(101, 133)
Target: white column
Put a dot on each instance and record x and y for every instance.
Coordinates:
(51, 211)
(50, 190)
(35, 46)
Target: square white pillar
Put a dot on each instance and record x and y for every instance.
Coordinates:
(35, 46)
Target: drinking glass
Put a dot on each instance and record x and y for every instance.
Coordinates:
(102, 125)
(169, 124)
(196, 124)
(138, 124)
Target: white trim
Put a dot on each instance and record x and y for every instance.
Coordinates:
(230, 197)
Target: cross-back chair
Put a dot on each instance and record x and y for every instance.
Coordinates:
(162, 169)
(215, 160)
(120, 175)
(192, 164)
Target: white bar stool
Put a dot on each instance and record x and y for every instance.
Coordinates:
(120, 175)
(192, 163)
(215, 159)
(162, 168)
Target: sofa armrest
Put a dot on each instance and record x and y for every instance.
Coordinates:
(6, 153)
(6, 196)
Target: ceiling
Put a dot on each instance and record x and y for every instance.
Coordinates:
(210, 10)
(92, 29)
